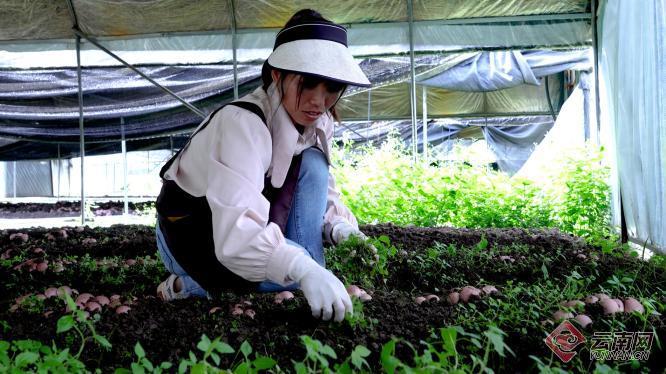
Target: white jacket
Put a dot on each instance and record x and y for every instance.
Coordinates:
(227, 162)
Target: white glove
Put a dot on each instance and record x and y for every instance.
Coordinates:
(324, 292)
(343, 230)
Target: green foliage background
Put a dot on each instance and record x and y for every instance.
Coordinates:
(383, 185)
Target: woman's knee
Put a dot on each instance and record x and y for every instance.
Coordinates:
(314, 166)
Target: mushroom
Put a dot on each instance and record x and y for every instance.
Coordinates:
(365, 297)
(488, 290)
(58, 267)
(123, 309)
(102, 300)
(282, 296)
(573, 304)
(432, 297)
(419, 299)
(468, 293)
(620, 305)
(610, 306)
(214, 309)
(250, 313)
(6, 254)
(51, 292)
(83, 298)
(453, 298)
(62, 290)
(354, 290)
(632, 305)
(42, 266)
(93, 306)
(560, 315)
(583, 320)
(601, 296)
(591, 299)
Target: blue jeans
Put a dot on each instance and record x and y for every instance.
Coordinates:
(304, 225)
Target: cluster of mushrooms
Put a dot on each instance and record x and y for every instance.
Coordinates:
(463, 295)
(85, 301)
(609, 305)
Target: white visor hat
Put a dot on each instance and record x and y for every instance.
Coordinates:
(318, 49)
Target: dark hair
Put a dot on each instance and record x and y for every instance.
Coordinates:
(307, 81)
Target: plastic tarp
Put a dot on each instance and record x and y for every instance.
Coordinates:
(393, 102)
(632, 58)
(186, 32)
(490, 71)
(511, 139)
(32, 20)
(42, 104)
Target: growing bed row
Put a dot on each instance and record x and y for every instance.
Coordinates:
(511, 285)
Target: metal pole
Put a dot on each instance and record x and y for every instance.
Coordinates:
(82, 138)
(59, 166)
(14, 178)
(234, 46)
(196, 110)
(410, 12)
(425, 124)
(595, 46)
(367, 133)
(171, 144)
(124, 150)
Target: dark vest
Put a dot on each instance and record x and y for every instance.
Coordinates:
(186, 221)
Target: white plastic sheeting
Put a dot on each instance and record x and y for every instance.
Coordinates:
(490, 71)
(39, 33)
(633, 90)
(44, 19)
(392, 102)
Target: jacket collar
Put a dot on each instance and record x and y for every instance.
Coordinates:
(284, 133)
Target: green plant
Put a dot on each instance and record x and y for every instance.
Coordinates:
(32, 356)
(383, 185)
(356, 261)
(79, 321)
(317, 356)
(357, 319)
(211, 351)
(255, 365)
(142, 364)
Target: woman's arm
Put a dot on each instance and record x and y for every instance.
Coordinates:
(244, 240)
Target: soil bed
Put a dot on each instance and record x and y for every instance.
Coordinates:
(168, 331)
(69, 209)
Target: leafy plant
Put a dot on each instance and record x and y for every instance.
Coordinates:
(79, 321)
(142, 364)
(358, 319)
(32, 356)
(361, 262)
(383, 185)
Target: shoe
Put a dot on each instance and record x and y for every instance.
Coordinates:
(165, 290)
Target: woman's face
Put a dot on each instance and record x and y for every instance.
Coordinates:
(315, 99)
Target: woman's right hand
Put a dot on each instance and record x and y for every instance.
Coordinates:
(323, 290)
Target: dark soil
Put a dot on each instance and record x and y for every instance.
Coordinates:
(168, 331)
(69, 209)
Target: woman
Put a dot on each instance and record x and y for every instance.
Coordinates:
(245, 203)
